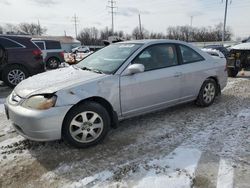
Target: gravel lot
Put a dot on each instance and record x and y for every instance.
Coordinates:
(184, 146)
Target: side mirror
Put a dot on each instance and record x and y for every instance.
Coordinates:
(134, 68)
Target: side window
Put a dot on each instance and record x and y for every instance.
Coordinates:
(6, 43)
(189, 55)
(157, 56)
(40, 45)
(51, 45)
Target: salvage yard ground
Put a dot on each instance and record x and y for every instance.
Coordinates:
(184, 146)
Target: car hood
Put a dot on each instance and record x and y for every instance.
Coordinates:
(52, 81)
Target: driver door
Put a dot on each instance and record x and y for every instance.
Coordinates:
(158, 86)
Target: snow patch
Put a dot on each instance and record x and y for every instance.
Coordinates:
(2, 101)
(1, 108)
(175, 170)
(245, 114)
(172, 181)
(243, 46)
(182, 163)
(102, 176)
(225, 175)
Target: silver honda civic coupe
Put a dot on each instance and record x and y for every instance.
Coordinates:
(81, 103)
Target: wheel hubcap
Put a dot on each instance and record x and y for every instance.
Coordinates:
(53, 63)
(15, 76)
(86, 127)
(209, 92)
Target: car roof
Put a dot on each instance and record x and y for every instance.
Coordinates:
(48, 40)
(151, 41)
(15, 36)
(214, 46)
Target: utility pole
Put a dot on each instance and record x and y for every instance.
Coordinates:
(140, 28)
(38, 28)
(112, 7)
(224, 24)
(75, 20)
(191, 21)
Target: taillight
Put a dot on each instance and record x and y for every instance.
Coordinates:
(37, 52)
(62, 54)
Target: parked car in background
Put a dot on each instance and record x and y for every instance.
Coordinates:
(3, 55)
(213, 52)
(24, 59)
(239, 58)
(53, 53)
(221, 48)
(81, 49)
(119, 81)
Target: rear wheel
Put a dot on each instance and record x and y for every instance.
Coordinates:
(53, 63)
(207, 93)
(14, 74)
(232, 72)
(86, 125)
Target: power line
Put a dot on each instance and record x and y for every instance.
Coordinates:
(112, 8)
(75, 20)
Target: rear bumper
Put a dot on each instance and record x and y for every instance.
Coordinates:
(38, 125)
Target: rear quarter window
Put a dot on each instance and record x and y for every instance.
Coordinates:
(40, 45)
(189, 55)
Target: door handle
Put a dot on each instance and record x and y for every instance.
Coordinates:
(177, 74)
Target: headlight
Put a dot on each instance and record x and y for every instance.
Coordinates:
(40, 102)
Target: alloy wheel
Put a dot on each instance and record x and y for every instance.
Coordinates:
(209, 93)
(86, 127)
(15, 76)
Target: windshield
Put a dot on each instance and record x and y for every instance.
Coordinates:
(108, 59)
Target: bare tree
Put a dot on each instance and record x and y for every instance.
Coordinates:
(105, 33)
(187, 33)
(32, 29)
(137, 34)
(11, 29)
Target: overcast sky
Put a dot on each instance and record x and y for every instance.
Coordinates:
(156, 15)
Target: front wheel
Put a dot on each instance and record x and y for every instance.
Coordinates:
(86, 125)
(207, 93)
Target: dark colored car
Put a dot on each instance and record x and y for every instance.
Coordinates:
(221, 48)
(22, 59)
(3, 55)
(53, 53)
(239, 58)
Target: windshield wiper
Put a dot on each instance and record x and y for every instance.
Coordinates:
(86, 68)
(93, 70)
(98, 71)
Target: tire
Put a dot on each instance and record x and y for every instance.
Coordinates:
(53, 63)
(14, 74)
(82, 134)
(207, 93)
(232, 72)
